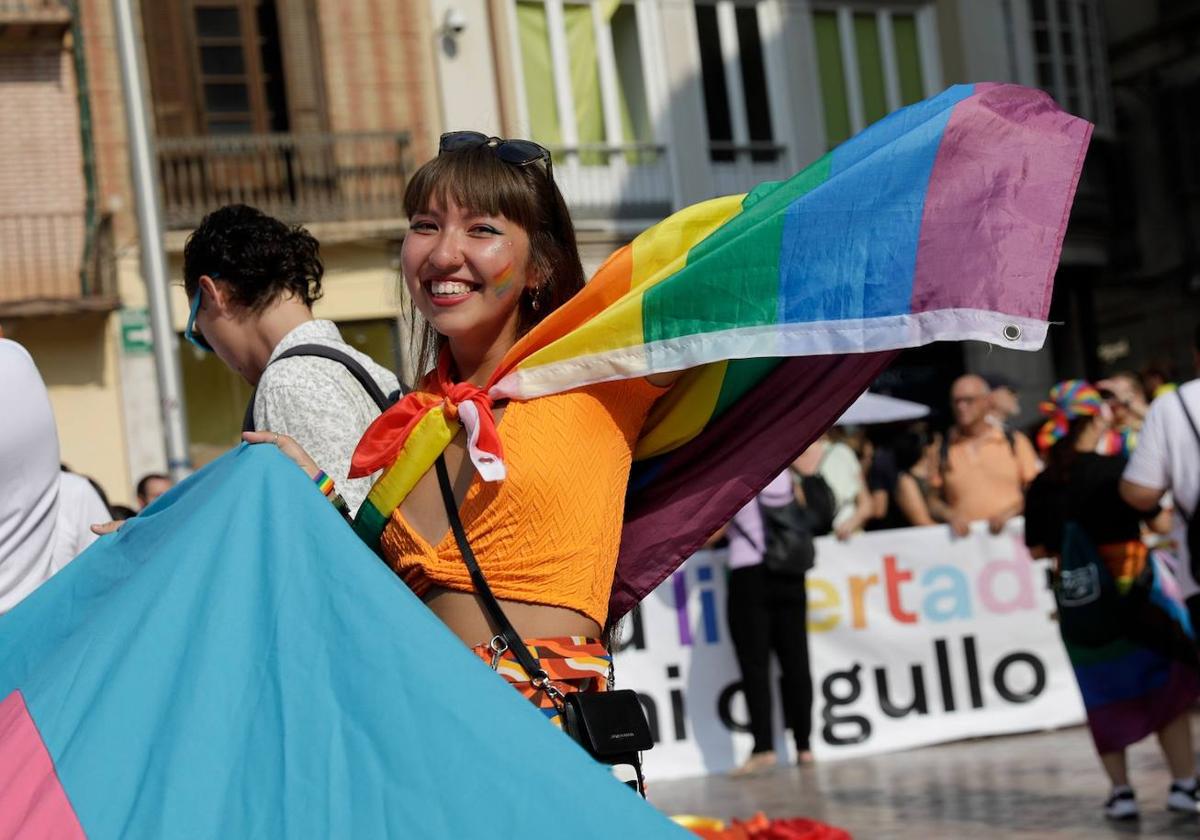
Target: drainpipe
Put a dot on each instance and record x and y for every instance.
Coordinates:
(85, 142)
(150, 233)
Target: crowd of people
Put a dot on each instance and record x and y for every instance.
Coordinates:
(1108, 492)
(490, 253)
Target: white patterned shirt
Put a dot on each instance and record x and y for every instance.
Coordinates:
(319, 403)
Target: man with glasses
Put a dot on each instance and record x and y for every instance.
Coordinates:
(983, 470)
(251, 281)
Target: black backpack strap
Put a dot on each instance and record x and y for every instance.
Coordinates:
(345, 360)
(384, 401)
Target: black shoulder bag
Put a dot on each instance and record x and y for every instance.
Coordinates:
(610, 725)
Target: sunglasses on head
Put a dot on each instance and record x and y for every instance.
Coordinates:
(516, 152)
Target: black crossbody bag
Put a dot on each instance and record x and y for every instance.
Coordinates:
(610, 725)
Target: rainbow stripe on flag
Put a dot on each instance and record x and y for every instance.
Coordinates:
(942, 222)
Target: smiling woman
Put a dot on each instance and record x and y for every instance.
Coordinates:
(490, 253)
(506, 472)
(482, 223)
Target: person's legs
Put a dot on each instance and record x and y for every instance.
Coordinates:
(788, 600)
(1116, 768)
(750, 631)
(1176, 741)
(1121, 804)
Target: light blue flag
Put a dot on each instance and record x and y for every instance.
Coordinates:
(235, 663)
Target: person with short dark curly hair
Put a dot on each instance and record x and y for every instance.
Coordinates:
(251, 281)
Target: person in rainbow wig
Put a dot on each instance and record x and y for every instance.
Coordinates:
(1124, 625)
(597, 434)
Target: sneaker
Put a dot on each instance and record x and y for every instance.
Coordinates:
(1184, 800)
(1122, 805)
(757, 763)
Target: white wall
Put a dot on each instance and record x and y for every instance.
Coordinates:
(466, 68)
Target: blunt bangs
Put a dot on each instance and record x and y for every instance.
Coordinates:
(482, 183)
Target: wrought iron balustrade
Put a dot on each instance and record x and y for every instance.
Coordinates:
(296, 177)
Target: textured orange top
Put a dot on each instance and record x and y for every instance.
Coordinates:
(549, 533)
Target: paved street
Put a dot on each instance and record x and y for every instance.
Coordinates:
(1046, 785)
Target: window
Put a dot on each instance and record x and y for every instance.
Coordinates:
(239, 67)
(584, 80)
(736, 94)
(216, 66)
(1069, 54)
(871, 61)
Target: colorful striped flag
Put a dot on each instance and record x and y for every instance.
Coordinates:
(235, 663)
(944, 221)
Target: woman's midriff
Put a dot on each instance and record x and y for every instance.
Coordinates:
(464, 614)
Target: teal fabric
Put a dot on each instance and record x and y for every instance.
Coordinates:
(236, 663)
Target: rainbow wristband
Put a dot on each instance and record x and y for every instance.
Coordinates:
(324, 483)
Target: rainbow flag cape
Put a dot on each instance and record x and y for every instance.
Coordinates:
(942, 222)
(235, 663)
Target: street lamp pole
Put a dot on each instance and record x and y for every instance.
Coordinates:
(154, 264)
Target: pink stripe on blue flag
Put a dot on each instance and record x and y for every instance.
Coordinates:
(33, 803)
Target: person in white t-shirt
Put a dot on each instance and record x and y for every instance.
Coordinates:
(1167, 459)
(44, 511)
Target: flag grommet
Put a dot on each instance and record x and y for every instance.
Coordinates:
(1011, 332)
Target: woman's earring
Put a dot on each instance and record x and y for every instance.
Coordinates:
(537, 298)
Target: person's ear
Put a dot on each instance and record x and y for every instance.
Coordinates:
(214, 292)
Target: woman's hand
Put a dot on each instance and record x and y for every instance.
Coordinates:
(288, 447)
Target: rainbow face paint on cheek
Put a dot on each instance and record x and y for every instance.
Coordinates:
(503, 283)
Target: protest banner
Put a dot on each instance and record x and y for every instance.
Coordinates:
(915, 637)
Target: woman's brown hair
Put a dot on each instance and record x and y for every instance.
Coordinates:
(476, 179)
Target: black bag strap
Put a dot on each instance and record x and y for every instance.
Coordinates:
(1195, 432)
(735, 526)
(384, 401)
(505, 631)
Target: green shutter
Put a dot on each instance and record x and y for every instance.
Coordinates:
(833, 84)
(870, 67)
(908, 59)
(538, 68)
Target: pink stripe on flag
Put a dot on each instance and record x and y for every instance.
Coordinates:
(999, 253)
(33, 803)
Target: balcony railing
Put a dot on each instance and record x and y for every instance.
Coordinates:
(296, 177)
(739, 168)
(600, 181)
(52, 263)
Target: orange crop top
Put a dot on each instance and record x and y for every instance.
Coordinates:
(550, 532)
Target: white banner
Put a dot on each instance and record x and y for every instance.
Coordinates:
(914, 638)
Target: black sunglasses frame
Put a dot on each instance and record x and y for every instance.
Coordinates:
(516, 152)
